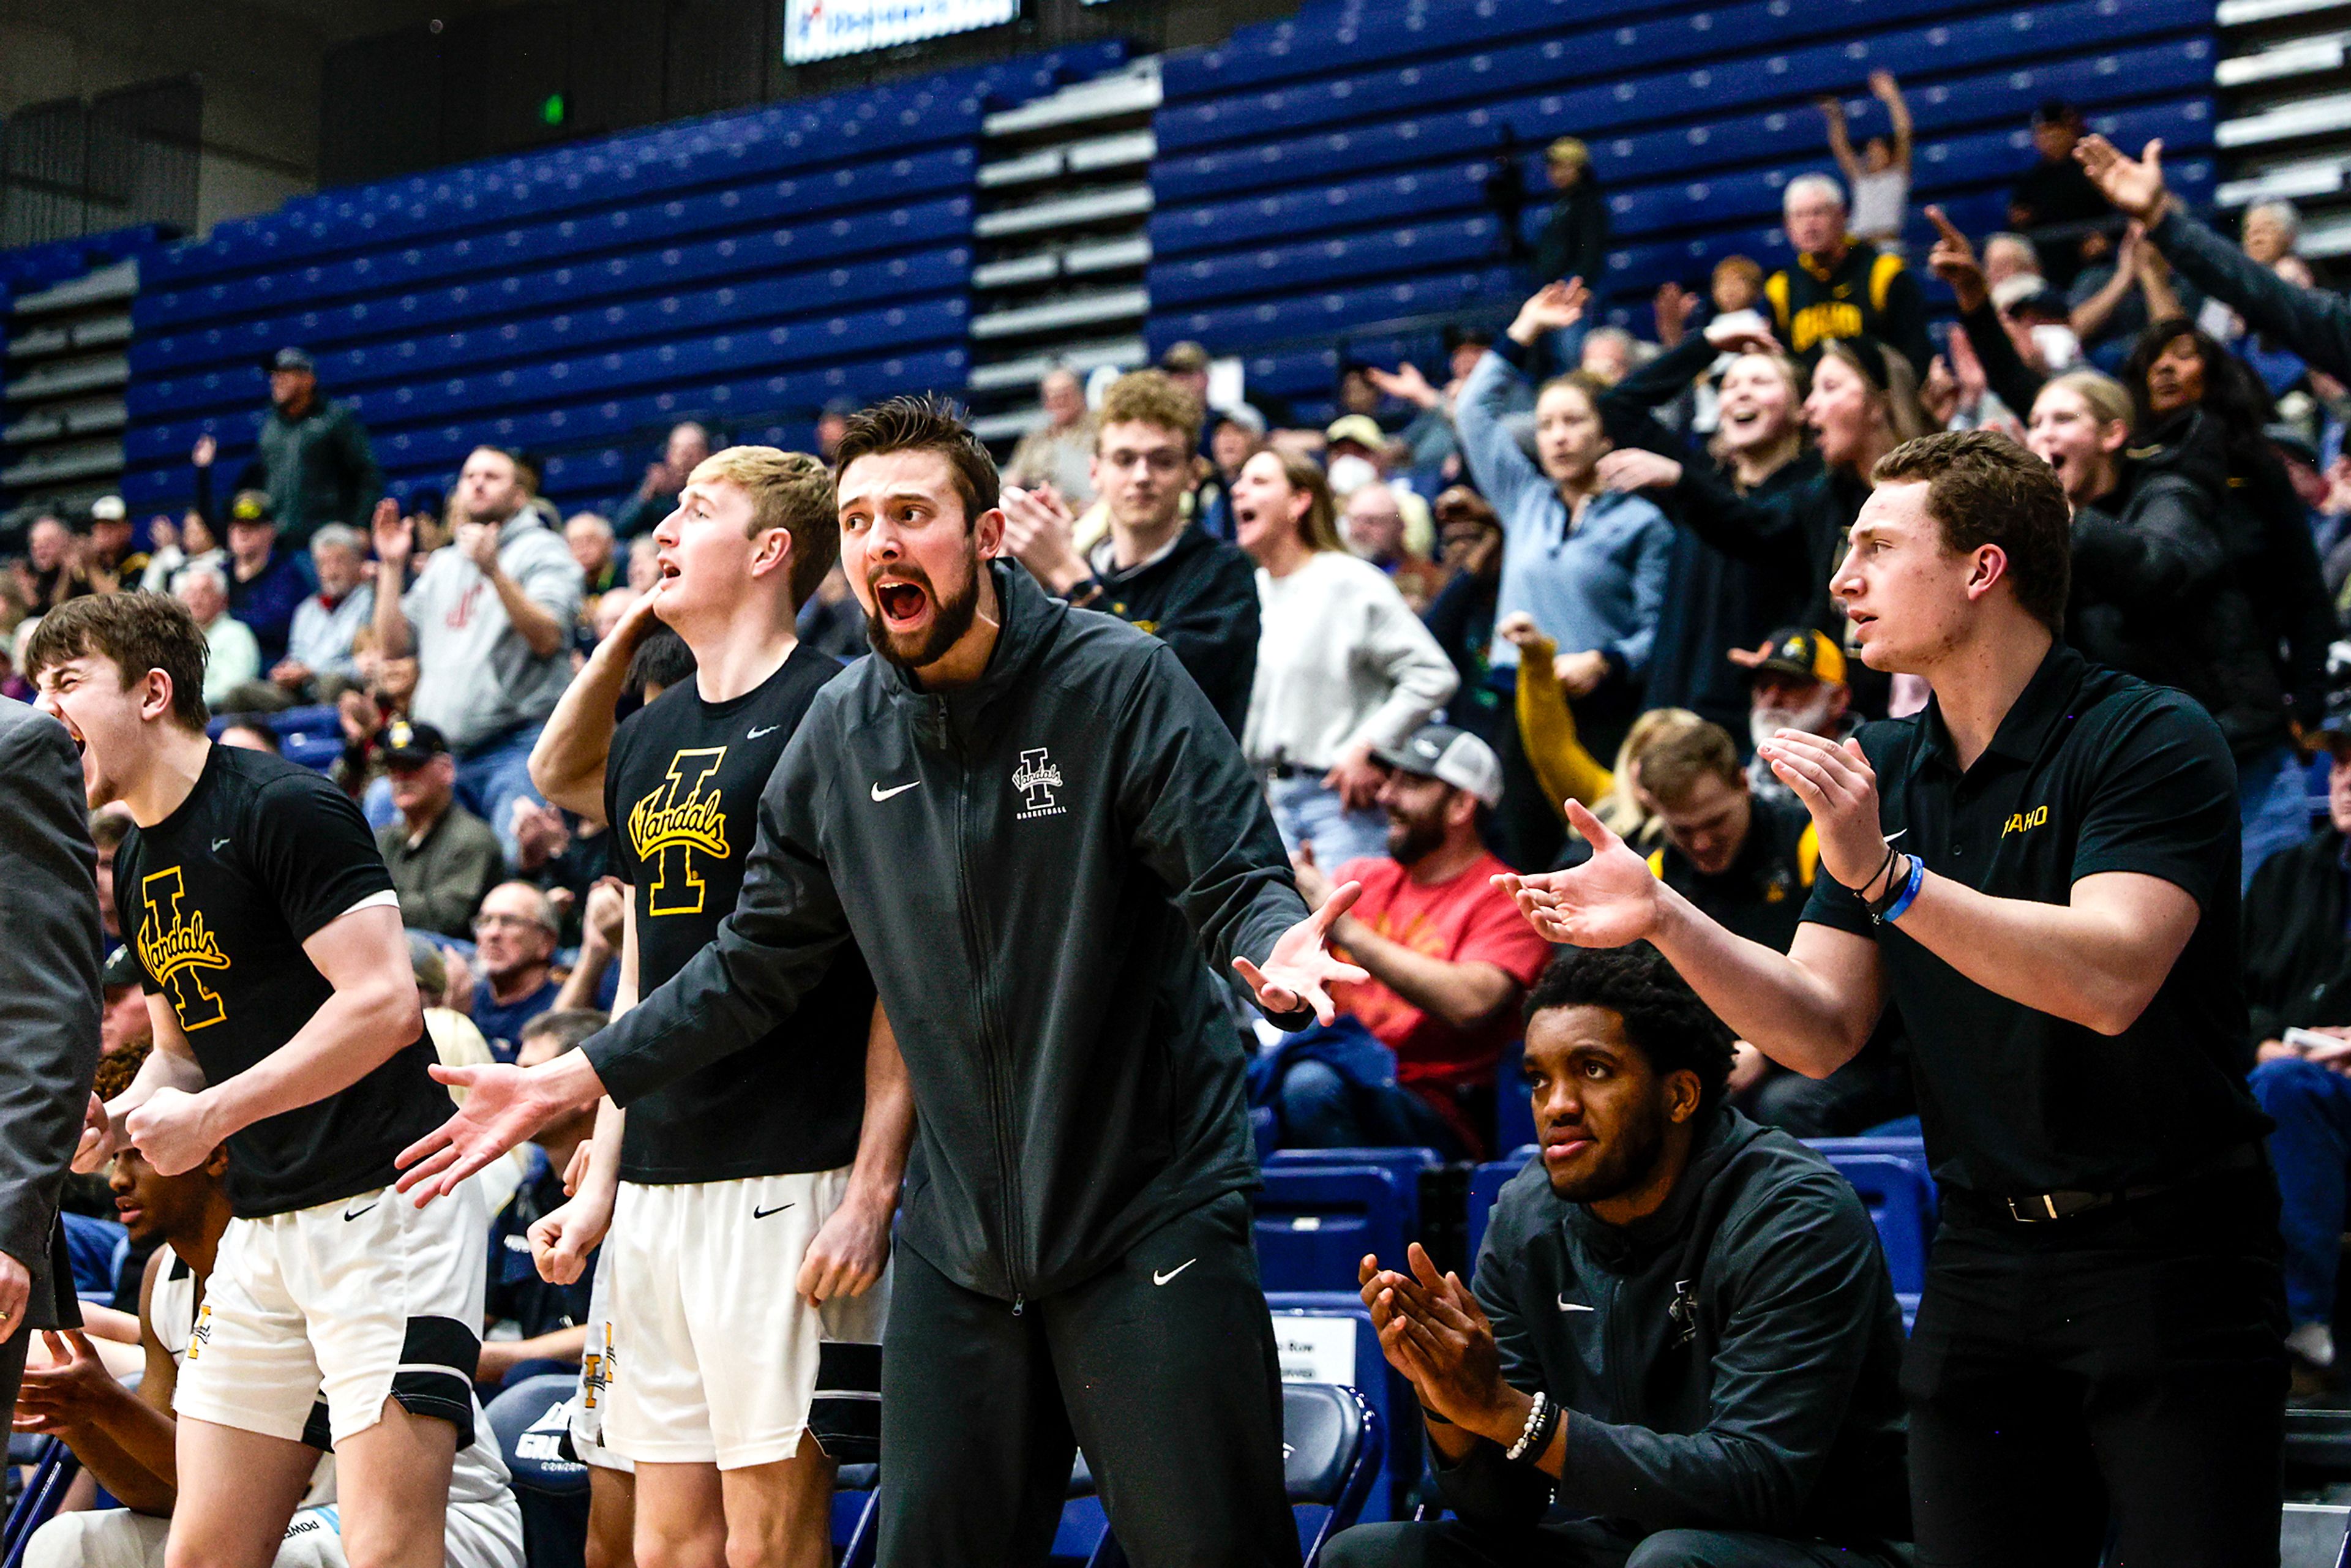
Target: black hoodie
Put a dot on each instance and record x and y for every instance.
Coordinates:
(1032, 866)
(1728, 1362)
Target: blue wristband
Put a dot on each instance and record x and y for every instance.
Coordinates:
(1909, 894)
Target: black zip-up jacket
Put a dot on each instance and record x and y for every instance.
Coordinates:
(2297, 960)
(1032, 866)
(1735, 1369)
(1201, 600)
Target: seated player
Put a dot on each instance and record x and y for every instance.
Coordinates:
(1447, 967)
(1681, 1346)
(125, 1438)
(550, 1319)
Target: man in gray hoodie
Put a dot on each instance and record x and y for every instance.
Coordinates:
(1680, 1349)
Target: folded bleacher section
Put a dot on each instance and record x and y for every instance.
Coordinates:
(1320, 177)
(744, 268)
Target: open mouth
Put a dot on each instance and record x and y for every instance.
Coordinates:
(1244, 515)
(902, 604)
(1741, 419)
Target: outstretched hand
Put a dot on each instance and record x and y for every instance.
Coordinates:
(1300, 965)
(2135, 188)
(1610, 900)
(1554, 307)
(504, 1105)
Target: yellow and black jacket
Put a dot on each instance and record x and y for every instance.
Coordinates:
(1869, 292)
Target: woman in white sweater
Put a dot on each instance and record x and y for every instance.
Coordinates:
(1344, 668)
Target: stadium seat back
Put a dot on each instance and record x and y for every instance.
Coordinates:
(1314, 1224)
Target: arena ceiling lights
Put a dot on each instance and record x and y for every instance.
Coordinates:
(821, 29)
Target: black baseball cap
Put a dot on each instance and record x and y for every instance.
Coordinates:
(406, 745)
(252, 506)
(290, 359)
(2053, 111)
(1801, 652)
(121, 970)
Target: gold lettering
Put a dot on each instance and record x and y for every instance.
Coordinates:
(672, 825)
(174, 946)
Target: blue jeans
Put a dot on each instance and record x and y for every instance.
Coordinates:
(1321, 1109)
(2273, 803)
(489, 783)
(1306, 812)
(2311, 1152)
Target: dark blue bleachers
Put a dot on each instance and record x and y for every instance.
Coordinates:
(2005, 96)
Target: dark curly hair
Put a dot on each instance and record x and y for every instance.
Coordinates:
(923, 421)
(1663, 1017)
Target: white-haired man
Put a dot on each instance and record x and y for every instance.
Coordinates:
(232, 655)
(1840, 287)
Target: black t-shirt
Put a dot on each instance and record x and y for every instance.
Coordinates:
(1760, 894)
(2091, 772)
(682, 791)
(217, 901)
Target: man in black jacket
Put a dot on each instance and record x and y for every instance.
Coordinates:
(1032, 823)
(1154, 569)
(1682, 1345)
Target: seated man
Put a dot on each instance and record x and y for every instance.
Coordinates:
(1447, 967)
(443, 858)
(1798, 684)
(126, 1438)
(1748, 860)
(1680, 1347)
(514, 949)
(2297, 963)
(549, 1320)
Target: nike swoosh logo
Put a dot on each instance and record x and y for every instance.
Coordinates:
(880, 794)
(757, 1213)
(219, 845)
(1896, 834)
(1567, 1306)
(769, 729)
(1159, 1279)
(354, 1214)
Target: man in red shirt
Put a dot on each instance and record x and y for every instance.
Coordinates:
(1449, 963)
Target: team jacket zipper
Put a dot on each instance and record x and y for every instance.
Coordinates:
(995, 1053)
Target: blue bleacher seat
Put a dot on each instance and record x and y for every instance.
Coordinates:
(1486, 1184)
(1895, 1184)
(1315, 1224)
(1318, 1333)
(528, 1421)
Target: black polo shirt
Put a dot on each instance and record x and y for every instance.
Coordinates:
(1761, 894)
(2092, 770)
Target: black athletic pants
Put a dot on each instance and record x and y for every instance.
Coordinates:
(2118, 1372)
(1582, 1543)
(1162, 1368)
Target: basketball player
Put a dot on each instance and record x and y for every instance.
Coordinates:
(741, 1170)
(125, 1437)
(1032, 822)
(286, 1026)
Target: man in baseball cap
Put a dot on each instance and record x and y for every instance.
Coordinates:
(312, 454)
(1798, 682)
(1448, 969)
(443, 858)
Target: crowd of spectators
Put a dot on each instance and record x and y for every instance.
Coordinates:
(1564, 564)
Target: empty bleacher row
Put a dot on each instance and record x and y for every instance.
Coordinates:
(726, 280)
(1278, 174)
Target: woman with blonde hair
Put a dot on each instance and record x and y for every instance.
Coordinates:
(1344, 668)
